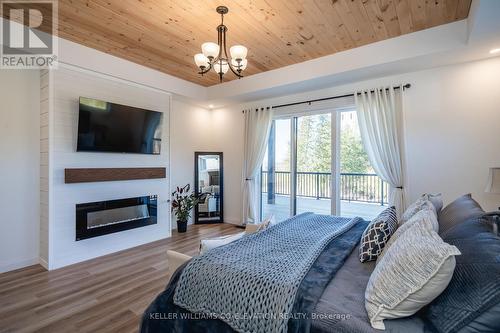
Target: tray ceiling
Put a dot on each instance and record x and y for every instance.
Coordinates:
(165, 34)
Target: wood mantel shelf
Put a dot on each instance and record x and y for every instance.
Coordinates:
(86, 175)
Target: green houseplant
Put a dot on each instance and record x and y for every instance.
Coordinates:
(182, 204)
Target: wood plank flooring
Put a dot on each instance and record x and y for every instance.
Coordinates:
(106, 294)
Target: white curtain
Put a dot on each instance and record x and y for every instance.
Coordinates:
(380, 115)
(257, 126)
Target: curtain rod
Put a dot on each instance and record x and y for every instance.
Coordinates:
(406, 86)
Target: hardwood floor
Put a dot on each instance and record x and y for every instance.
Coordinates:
(106, 294)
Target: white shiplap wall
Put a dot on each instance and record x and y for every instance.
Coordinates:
(46, 99)
(68, 84)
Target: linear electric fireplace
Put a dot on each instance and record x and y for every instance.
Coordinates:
(105, 217)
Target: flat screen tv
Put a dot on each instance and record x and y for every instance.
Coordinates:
(110, 127)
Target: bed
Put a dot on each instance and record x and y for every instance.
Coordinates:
(330, 296)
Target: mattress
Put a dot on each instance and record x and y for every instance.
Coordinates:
(341, 308)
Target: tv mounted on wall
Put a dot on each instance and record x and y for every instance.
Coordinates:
(110, 127)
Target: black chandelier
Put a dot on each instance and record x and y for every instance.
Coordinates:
(215, 55)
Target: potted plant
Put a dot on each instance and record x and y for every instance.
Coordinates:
(182, 204)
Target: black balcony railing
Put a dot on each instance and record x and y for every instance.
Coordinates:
(360, 187)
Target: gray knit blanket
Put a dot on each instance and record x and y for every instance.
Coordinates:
(251, 283)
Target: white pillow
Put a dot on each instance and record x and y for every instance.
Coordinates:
(271, 220)
(426, 218)
(175, 259)
(211, 243)
(422, 203)
(251, 228)
(436, 200)
(414, 270)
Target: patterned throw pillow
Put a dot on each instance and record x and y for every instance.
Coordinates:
(377, 234)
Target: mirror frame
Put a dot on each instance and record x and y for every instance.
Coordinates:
(221, 186)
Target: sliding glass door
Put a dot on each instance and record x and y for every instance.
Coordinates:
(362, 192)
(315, 162)
(276, 172)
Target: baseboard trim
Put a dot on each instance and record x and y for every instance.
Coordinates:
(17, 265)
(44, 263)
(235, 222)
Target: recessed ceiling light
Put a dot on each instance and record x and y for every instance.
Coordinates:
(211, 106)
(493, 51)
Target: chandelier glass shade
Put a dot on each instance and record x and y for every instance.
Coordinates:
(221, 67)
(214, 55)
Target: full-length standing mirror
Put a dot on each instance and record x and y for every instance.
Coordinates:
(208, 182)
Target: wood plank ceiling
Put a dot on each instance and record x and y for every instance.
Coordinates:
(165, 34)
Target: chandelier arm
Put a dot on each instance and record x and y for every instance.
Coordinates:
(216, 59)
(204, 71)
(235, 72)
